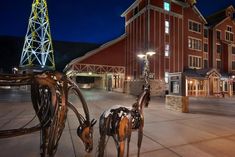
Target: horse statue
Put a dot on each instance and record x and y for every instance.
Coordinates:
(120, 121)
(49, 95)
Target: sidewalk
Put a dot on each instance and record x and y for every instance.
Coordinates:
(207, 131)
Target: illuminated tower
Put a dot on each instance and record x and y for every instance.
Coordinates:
(37, 52)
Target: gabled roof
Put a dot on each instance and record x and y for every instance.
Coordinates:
(130, 8)
(93, 52)
(219, 16)
(199, 14)
(180, 2)
(200, 73)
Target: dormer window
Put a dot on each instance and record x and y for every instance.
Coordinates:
(167, 6)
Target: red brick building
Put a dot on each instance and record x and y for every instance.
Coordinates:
(184, 41)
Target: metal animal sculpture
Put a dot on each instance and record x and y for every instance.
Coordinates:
(119, 122)
(49, 94)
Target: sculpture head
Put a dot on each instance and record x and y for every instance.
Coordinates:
(85, 132)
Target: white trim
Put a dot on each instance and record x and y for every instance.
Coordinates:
(198, 23)
(194, 56)
(221, 21)
(131, 7)
(95, 51)
(164, 11)
(199, 13)
(155, 8)
(135, 16)
(182, 4)
(193, 38)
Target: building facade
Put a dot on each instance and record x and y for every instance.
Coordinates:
(202, 48)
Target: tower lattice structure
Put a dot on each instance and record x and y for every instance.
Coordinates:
(38, 51)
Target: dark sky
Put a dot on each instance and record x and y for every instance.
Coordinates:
(96, 21)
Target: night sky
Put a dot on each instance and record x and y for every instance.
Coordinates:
(95, 21)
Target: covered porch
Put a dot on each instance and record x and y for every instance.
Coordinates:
(207, 82)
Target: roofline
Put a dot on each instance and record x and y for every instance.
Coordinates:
(92, 52)
(199, 13)
(132, 6)
(182, 4)
(220, 22)
(138, 1)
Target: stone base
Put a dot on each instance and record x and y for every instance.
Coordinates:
(134, 87)
(177, 103)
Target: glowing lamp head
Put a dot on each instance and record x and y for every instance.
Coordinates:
(141, 55)
(150, 53)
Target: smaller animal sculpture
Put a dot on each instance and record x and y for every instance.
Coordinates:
(119, 122)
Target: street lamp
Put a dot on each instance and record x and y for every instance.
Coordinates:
(146, 70)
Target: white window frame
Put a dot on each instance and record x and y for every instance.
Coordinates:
(166, 77)
(230, 34)
(217, 30)
(167, 50)
(167, 26)
(194, 43)
(199, 25)
(196, 62)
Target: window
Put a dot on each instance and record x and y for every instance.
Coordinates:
(167, 27)
(194, 44)
(233, 50)
(218, 35)
(219, 48)
(229, 34)
(167, 6)
(167, 50)
(233, 65)
(195, 62)
(218, 64)
(205, 47)
(166, 77)
(194, 27)
(205, 63)
(205, 33)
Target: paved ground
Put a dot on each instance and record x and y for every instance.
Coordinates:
(207, 131)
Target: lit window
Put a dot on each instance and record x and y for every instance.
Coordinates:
(166, 77)
(167, 26)
(167, 6)
(167, 50)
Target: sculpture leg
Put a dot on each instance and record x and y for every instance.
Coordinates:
(120, 145)
(121, 149)
(129, 136)
(101, 145)
(140, 137)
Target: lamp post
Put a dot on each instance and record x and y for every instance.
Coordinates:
(146, 70)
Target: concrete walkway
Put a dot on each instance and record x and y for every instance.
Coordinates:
(207, 131)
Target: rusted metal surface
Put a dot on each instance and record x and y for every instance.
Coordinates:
(119, 121)
(49, 95)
